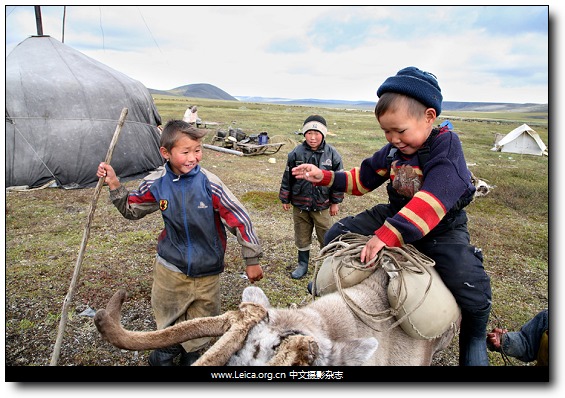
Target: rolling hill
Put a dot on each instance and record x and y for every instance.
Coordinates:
(199, 90)
(209, 91)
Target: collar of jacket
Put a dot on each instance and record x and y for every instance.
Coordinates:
(320, 148)
(176, 177)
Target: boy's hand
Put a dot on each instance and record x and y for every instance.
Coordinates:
(371, 249)
(110, 178)
(286, 206)
(308, 172)
(334, 209)
(494, 339)
(254, 273)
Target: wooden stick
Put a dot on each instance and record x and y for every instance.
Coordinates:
(85, 236)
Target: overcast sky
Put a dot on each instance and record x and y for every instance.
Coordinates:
(478, 53)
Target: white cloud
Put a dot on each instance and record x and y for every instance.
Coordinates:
(308, 52)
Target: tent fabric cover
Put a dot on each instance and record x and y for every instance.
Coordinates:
(522, 140)
(62, 109)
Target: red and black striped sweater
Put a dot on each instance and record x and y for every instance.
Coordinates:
(443, 182)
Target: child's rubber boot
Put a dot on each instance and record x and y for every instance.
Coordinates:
(310, 286)
(188, 358)
(302, 268)
(165, 356)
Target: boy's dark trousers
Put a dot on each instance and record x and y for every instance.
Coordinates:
(459, 264)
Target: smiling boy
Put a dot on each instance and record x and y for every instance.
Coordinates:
(197, 208)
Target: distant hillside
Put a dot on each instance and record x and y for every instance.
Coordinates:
(200, 90)
(447, 105)
(203, 90)
(494, 107)
(312, 102)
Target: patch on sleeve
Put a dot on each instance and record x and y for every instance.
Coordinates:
(407, 180)
(163, 204)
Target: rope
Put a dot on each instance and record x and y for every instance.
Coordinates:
(35, 152)
(505, 357)
(91, 119)
(347, 248)
(13, 120)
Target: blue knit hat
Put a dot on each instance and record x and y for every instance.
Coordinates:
(417, 84)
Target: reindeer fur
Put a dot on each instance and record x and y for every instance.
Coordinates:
(324, 332)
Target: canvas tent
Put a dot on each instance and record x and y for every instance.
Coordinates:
(523, 140)
(62, 109)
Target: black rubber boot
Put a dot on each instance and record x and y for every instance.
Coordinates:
(188, 358)
(165, 356)
(302, 268)
(309, 287)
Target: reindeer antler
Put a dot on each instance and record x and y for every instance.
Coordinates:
(235, 322)
(242, 321)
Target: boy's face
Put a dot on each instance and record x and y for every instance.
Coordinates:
(406, 132)
(184, 156)
(313, 138)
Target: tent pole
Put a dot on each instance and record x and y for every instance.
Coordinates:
(64, 17)
(38, 22)
(85, 236)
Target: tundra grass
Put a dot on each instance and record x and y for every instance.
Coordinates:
(44, 229)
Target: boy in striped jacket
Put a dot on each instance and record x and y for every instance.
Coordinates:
(197, 208)
(428, 187)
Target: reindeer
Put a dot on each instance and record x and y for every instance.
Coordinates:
(325, 332)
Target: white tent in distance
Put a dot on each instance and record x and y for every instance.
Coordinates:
(521, 140)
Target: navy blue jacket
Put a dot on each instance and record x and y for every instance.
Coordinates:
(197, 208)
(304, 194)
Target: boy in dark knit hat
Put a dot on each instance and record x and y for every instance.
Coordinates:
(429, 186)
(313, 206)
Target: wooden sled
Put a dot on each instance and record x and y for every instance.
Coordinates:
(255, 149)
